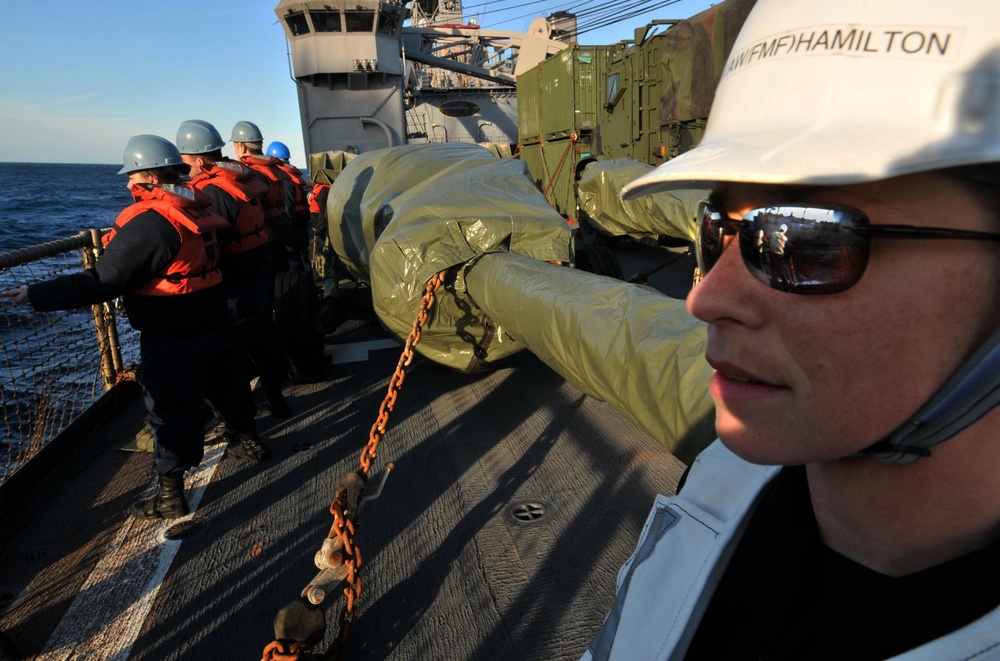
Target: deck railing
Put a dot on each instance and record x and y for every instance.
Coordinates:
(55, 365)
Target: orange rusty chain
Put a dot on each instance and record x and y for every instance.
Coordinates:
(572, 140)
(277, 651)
(345, 520)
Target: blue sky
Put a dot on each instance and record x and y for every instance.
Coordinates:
(80, 78)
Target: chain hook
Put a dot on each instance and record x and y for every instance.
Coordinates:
(339, 558)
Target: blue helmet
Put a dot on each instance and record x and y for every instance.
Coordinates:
(278, 150)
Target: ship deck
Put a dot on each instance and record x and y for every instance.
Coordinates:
(513, 503)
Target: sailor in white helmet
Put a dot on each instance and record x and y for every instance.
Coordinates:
(851, 508)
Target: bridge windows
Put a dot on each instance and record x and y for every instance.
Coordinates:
(325, 20)
(360, 21)
(296, 22)
(329, 20)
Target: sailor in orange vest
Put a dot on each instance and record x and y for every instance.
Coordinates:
(279, 203)
(162, 258)
(237, 194)
(301, 203)
(320, 253)
(317, 198)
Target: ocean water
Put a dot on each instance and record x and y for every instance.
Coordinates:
(49, 366)
(44, 201)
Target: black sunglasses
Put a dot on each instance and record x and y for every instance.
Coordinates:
(805, 248)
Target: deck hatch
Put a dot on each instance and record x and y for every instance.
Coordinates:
(529, 512)
(35, 555)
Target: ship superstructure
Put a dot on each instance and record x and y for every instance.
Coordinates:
(366, 81)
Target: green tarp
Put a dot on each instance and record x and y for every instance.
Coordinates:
(670, 214)
(400, 215)
(626, 344)
(326, 166)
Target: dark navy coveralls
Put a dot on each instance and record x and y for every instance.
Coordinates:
(183, 351)
(252, 331)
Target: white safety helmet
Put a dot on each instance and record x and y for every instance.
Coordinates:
(834, 92)
(846, 91)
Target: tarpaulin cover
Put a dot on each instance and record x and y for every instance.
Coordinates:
(672, 214)
(399, 215)
(325, 166)
(694, 53)
(626, 344)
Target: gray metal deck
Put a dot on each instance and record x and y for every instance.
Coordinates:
(449, 572)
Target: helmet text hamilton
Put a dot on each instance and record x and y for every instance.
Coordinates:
(850, 41)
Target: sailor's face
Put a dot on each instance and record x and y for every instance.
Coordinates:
(805, 378)
(140, 177)
(195, 162)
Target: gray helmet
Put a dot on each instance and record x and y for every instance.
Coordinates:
(145, 152)
(246, 132)
(196, 136)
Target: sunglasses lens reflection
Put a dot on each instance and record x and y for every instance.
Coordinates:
(711, 238)
(797, 249)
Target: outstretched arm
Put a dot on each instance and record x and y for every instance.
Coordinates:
(18, 295)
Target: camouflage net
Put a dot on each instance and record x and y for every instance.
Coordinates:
(54, 365)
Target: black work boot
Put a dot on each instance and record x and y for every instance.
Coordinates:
(7, 651)
(247, 446)
(276, 402)
(215, 431)
(167, 503)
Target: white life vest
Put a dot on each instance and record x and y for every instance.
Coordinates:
(666, 585)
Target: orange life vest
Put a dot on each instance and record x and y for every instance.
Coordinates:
(274, 201)
(196, 264)
(301, 183)
(248, 191)
(314, 206)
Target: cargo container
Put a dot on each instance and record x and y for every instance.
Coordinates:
(645, 99)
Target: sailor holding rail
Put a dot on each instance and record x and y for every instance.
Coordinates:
(162, 257)
(851, 506)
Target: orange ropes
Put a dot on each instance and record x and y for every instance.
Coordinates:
(572, 140)
(339, 558)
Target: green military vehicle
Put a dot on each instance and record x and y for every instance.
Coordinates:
(559, 109)
(644, 100)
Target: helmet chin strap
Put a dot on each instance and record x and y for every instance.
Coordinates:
(969, 394)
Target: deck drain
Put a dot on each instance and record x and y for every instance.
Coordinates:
(11, 596)
(183, 530)
(36, 555)
(301, 447)
(529, 512)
